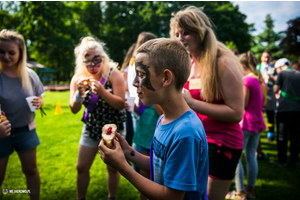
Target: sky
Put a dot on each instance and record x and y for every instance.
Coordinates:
(281, 12)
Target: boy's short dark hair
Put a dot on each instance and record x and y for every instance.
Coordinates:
(165, 53)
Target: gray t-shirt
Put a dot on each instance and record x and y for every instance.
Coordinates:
(13, 99)
(289, 82)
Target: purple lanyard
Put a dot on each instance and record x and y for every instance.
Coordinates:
(151, 152)
(93, 101)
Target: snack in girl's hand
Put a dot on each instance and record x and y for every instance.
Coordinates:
(108, 134)
(86, 82)
(3, 118)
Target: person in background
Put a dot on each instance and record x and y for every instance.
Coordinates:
(288, 114)
(142, 38)
(99, 86)
(215, 92)
(144, 133)
(268, 73)
(235, 52)
(252, 124)
(295, 64)
(124, 71)
(16, 83)
(178, 161)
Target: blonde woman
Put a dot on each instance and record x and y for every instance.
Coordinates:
(99, 86)
(215, 92)
(18, 133)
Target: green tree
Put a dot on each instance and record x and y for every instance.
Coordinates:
(291, 42)
(123, 21)
(52, 29)
(267, 40)
(9, 16)
(52, 32)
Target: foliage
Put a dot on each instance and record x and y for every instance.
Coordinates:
(52, 32)
(230, 45)
(266, 41)
(53, 28)
(291, 41)
(9, 17)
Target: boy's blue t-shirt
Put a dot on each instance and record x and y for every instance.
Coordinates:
(180, 156)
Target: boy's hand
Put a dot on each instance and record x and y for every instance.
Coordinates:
(124, 144)
(5, 129)
(113, 157)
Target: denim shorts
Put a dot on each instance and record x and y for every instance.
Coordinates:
(20, 139)
(87, 141)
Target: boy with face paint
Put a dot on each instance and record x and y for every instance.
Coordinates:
(178, 161)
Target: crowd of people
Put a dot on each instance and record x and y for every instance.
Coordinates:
(197, 107)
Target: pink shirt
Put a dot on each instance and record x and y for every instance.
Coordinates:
(218, 132)
(253, 119)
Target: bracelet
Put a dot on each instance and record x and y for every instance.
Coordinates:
(78, 98)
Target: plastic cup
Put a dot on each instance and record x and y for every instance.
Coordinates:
(29, 100)
(130, 101)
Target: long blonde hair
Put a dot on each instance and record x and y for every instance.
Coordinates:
(88, 43)
(250, 61)
(194, 20)
(22, 71)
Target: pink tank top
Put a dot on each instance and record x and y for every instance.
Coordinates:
(218, 132)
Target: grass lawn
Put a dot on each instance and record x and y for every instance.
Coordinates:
(57, 157)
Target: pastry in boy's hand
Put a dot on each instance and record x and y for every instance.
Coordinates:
(3, 118)
(108, 134)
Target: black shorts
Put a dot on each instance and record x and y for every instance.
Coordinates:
(223, 161)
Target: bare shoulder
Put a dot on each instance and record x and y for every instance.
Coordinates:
(116, 75)
(228, 68)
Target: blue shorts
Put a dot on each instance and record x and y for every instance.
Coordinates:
(20, 139)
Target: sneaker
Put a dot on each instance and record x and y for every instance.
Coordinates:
(234, 195)
(280, 164)
(262, 156)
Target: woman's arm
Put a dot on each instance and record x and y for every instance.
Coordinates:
(232, 85)
(246, 95)
(75, 106)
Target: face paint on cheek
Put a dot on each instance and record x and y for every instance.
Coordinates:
(144, 81)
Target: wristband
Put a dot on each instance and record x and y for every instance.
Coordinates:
(78, 98)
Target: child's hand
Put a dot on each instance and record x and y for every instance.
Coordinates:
(5, 129)
(113, 157)
(97, 87)
(82, 85)
(126, 106)
(37, 102)
(124, 144)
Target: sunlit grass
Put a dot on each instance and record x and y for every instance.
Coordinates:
(57, 157)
